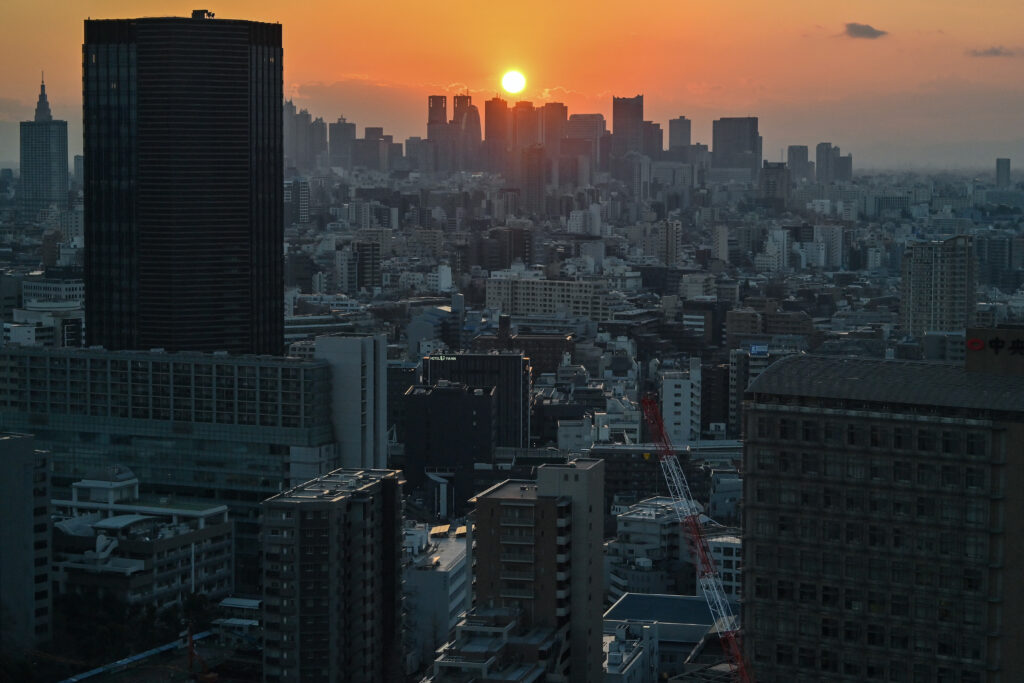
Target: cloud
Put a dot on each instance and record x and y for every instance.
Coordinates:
(994, 51)
(855, 30)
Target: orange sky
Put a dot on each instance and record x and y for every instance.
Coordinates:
(789, 62)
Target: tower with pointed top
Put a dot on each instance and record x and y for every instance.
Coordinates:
(44, 161)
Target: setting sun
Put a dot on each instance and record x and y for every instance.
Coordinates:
(513, 82)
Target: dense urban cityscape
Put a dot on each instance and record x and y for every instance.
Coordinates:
(532, 396)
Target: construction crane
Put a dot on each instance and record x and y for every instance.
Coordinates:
(726, 623)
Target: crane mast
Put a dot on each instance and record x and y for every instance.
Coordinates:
(726, 623)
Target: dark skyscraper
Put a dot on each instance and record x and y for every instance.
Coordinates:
(184, 188)
(342, 135)
(627, 124)
(736, 144)
(798, 162)
(44, 160)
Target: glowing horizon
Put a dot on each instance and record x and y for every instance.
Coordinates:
(879, 79)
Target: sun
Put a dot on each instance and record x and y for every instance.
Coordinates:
(513, 82)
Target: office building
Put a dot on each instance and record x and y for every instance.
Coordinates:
(110, 542)
(1002, 173)
(231, 429)
(881, 511)
(538, 549)
(799, 164)
(436, 452)
(533, 172)
(44, 161)
(773, 185)
(680, 398)
(937, 286)
(653, 139)
(507, 372)
(183, 208)
(342, 136)
(25, 591)
(736, 143)
(830, 165)
(627, 124)
(332, 579)
(679, 132)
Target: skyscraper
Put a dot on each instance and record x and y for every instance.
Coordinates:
(44, 161)
(1002, 172)
(798, 162)
(679, 132)
(880, 503)
(736, 143)
(937, 287)
(184, 188)
(627, 124)
(342, 135)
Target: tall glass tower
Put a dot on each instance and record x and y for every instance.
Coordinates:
(183, 184)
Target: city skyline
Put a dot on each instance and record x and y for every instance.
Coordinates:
(899, 86)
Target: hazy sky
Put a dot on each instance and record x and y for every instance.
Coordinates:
(906, 82)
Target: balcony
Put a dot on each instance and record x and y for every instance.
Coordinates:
(517, 538)
(517, 557)
(516, 576)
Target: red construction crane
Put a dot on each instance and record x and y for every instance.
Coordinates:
(726, 623)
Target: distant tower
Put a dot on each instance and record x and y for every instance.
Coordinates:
(627, 124)
(938, 284)
(1002, 173)
(736, 143)
(679, 132)
(44, 160)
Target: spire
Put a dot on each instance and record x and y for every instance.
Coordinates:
(43, 106)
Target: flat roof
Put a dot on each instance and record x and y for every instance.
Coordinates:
(511, 489)
(891, 381)
(670, 609)
(120, 521)
(333, 486)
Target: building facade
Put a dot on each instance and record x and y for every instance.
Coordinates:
(882, 500)
(183, 184)
(938, 286)
(332, 579)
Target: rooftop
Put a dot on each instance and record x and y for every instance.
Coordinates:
(333, 486)
(891, 381)
(671, 609)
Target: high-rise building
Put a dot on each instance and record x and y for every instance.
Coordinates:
(830, 165)
(773, 184)
(466, 131)
(342, 135)
(1002, 173)
(881, 505)
(736, 143)
(508, 372)
(25, 590)
(44, 161)
(539, 550)
(627, 124)
(653, 139)
(679, 132)
(332, 579)
(183, 207)
(937, 287)
(534, 173)
(798, 162)
(525, 125)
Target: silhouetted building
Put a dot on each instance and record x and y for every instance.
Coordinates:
(183, 208)
(342, 135)
(653, 139)
(1002, 173)
(627, 124)
(25, 590)
(44, 161)
(508, 372)
(332, 579)
(534, 179)
(736, 143)
(773, 184)
(679, 132)
(879, 503)
(800, 167)
(831, 166)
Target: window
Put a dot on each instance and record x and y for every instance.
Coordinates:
(829, 628)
